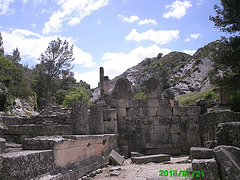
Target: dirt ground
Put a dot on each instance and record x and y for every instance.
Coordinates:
(131, 171)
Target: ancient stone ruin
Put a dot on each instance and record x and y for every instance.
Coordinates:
(68, 143)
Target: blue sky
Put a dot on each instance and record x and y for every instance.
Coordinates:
(115, 34)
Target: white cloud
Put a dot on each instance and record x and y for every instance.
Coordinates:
(4, 7)
(82, 58)
(73, 12)
(31, 44)
(130, 19)
(187, 39)
(33, 25)
(116, 63)
(177, 9)
(159, 37)
(191, 52)
(195, 36)
(147, 21)
(199, 2)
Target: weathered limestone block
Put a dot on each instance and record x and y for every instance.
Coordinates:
(180, 111)
(122, 103)
(151, 158)
(96, 125)
(2, 145)
(228, 134)
(201, 153)
(122, 89)
(152, 112)
(26, 164)
(153, 103)
(228, 158)
(153, 88)
(79, 117)
(207, 167)
(109, 114)
(116, 157)
(110, 127)
(121, 112)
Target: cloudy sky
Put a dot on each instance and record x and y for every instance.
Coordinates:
(115, 34)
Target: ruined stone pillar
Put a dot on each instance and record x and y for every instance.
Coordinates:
(79, 118)
(153, 88)
(101, 81)
(96, 125)
(105, 85)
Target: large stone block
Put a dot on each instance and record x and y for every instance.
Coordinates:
(79, 117)
(207, 168)
(153, 103)
(109, 114)
(110, 127)
(157, 158)
(2, 145)
(228, 158)
(121, 112)
(180, 111)
(228, 134)
(122, 89)
(153, 88)
(26, 164)
(201, 153)
(96, 125)
(116, 157)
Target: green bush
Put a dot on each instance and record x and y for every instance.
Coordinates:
(74, 95)
(140, 95)
(60, 96)
(10, 102)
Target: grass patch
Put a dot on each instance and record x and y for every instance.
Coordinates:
(189, 99)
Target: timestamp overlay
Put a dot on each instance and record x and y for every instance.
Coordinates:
(175, 173)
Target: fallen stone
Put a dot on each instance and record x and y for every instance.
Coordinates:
(207, 167)
(228, 134)
(136, 154)
(115, 173)
(228, 158)
(115, 169)
(116, 157)
(92, 174)
(99, 171)
(201, 153)
(211, 144)
(152, 158)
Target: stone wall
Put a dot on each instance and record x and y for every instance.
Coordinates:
(208, 123)
(26, 164)
(81, 153)
(155, 124)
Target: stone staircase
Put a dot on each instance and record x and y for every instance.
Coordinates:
(13, 147)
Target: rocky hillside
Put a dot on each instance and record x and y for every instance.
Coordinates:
(181, 72)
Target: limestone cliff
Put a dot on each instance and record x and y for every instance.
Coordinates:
(181, 72)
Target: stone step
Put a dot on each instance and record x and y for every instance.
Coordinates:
(13, 145)
(10, 150)
(157, 158)
(171, 151)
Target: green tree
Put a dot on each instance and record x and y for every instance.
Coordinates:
(55, 65)
(227, 57)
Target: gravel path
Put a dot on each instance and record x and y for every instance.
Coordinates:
(131, 171)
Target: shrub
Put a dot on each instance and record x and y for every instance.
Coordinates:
(235, 101)
(140, 95)
(60, 96)
(74, 95)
